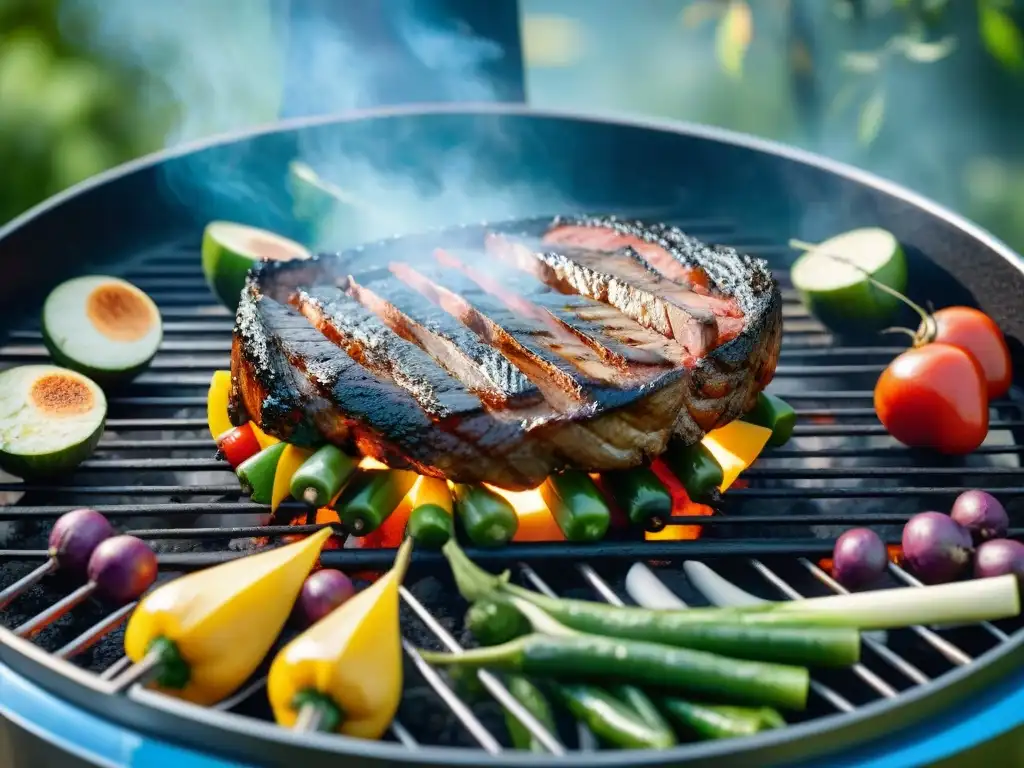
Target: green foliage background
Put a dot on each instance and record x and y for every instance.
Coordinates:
(929, 93)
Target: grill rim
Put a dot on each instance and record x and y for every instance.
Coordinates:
(77, 686)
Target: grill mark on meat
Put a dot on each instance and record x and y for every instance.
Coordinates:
(368, 341)
(520, 293)
(511, 337)
(624, 283)
(603, 238)
(458, 350)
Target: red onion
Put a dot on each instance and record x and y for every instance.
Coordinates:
(981, 514)
(936, 547)
(321, 593)
(998, 557)
(74, 537)
(859, 558)
(122, 568)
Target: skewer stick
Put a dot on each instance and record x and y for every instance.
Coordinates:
(22, 584)
(140, 673)
(41, 620)
(309, 719)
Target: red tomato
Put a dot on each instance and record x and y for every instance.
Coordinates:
(934, 396)
(977, 333)
(238, 444)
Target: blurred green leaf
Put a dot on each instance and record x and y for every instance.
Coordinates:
(735, 31)
(861, 62)
(1001, 35)
(872, 115)
(927, 52)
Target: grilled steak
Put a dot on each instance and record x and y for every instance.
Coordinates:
(510, 352)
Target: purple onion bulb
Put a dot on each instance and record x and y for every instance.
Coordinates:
(999, 557)
(981, 514)
(321, 593)
(74, 537)
(122, 568)
(859, 558)
(936, 547)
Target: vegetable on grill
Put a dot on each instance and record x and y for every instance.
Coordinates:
(321, 593)
(981, 514)
(859, 558)
(371, 497)
(103, 327)
(211, 629)
(493, 622)
(998, 557)
(716, 721)
(639, 493)
(936, 397)
(487, 518)
(838, 279)
(977, 334)
(322, 476)
(936, 547)
(230, 250)
(257, 473)
(348, 666)
(238, 444)
(577, 505)
(614, 660)
(645, 709)
(612, 720)
(697, 469)
(735, 447)
(722, 631)
(51, 419)
(430, 519)
(122, 568)
(217, 399)
(292, 457)
(775, 414)
(74, 538)
(534, 702)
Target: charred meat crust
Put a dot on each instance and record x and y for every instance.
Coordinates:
(304, 383)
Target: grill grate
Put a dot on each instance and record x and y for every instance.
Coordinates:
(153, 473)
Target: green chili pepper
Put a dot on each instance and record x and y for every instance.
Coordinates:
(534, 701)
(256, 474)
(371, 497)
(713, 721)
(495, 621)
(487, 517)
(577, 506)
(696, 469)
(611, 720)
(430, 525)
(639, 493)
(775, 414)
(643, 664)
(322, 476)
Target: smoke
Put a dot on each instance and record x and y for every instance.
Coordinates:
(211, 68)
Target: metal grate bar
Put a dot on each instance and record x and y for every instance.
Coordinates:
(490, 682)
(865, 674)
(96, 632)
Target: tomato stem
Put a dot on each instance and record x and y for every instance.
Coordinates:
(928, 329)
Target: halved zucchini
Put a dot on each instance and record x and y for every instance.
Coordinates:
(102, 327)
(230, 250)
(50, 419)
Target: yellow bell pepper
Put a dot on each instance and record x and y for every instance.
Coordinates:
(217, 404)
(349, 664)
(735, 447)
(262, 437)
(213, 628)
(291, 459)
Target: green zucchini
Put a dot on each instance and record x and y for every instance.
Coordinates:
(698, 471)
(230, 250)
(577, 506)
(776, 414)
(371, 497)
(640, 494)
(103, 327)
(50, 419)
(832, 279)
(487, 518)
(322, 476)
(256, 474)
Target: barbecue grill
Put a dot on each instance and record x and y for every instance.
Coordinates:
(919, 694)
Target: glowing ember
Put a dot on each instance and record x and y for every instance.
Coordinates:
(682, 506)
(536, 523)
